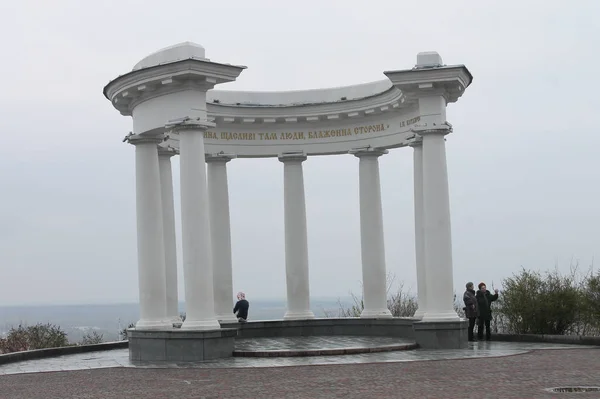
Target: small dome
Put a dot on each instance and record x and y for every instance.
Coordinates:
(178, 52)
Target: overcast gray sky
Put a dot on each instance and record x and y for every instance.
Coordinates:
(522, 160)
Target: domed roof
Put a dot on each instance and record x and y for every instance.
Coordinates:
(178, 52)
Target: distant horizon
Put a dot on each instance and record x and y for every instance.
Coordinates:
(135, 302)
(109, 319)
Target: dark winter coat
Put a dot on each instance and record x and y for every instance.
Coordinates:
(241, 308)
(484, 303)
(471, 308)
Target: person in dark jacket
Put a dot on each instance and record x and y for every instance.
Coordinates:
(471, 309)
(241, 307)
(484, 304)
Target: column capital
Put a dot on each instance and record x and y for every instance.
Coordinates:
(424, 129)
(189, 123)
(417, 141)
(136, 139)
(368, 152)
(166, 151)
(220, 157)
(292, 157)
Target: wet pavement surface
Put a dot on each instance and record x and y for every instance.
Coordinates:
(120, 357)
(316, 343)
(518, 371)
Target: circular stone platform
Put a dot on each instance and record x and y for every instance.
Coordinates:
(318, 346)
(120, 358)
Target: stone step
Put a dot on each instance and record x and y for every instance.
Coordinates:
(323, 351)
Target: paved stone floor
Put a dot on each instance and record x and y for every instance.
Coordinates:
(315, 343)
(526, 375)
(486, 369)
(120, 357)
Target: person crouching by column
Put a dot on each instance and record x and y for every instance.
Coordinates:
(471, 308)
(241, 307)
(484, 304)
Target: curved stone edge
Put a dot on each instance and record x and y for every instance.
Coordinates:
(181, 345)
(298, 98)
(14, 357)
(553, 339)
(326, 352)
(390, 327)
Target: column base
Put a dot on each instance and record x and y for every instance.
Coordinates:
(450, 315)
(198, 325)
(376, 314)
(152, 324)
(419, 314)
(226, 318)
(180, 346)
(175, 321)
(441, 334)
(299, 315)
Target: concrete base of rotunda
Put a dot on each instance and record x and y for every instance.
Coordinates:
(376, 314)
(441, 334)
(180, 345)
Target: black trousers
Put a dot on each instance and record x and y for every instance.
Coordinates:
(488, 331)
(471, 327)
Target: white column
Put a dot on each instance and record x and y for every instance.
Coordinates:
(151, 255)
(436, 224)
(417, 146)
(371, 235)
(218, 200)
(197, 259)
(296, 246)
(168, 212)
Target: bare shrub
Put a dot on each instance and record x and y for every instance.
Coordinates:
(401, 303)
(39, 336)
(123, 334)
(344, 310)
(92, 338)
(459, 306)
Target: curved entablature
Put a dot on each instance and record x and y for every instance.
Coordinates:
(311, 111)
(329, 136)
(293, 98)
(177, 82)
